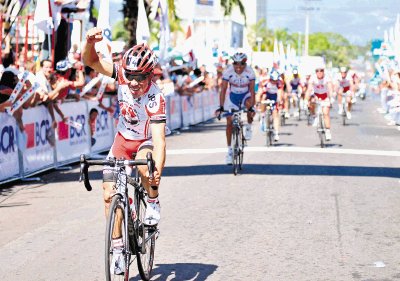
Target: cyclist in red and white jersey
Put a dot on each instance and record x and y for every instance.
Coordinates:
(322, 87)
(345, 87)
(142, 119)
(240, 78)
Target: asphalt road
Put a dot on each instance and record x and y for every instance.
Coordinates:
(296, 211)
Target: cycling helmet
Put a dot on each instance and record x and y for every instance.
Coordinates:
(239, 57)
(295, 71)
(274, 75)
(343, 69)
(139, 59)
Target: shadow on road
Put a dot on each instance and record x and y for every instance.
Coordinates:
(181, 271)
(285, 170)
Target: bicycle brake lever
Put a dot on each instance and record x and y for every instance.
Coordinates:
(84, 173)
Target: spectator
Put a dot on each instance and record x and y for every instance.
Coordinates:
(64, 82)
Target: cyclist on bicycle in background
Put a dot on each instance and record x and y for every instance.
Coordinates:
(142, 119)
(345, 87)
(295, 90)
(241, 81)
(272, 90)
(322, 87)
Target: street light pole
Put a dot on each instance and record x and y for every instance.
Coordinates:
(307, 9)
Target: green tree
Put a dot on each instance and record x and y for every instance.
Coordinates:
(228, 5)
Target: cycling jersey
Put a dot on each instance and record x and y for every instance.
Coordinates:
(344, 84)
(239, 83)
(320, 87)
(295, 83)
(136, 114)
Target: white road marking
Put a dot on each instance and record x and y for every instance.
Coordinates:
(288, 149)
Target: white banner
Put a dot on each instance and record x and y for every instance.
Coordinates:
(208, 108)
(73, 141)
(198, 108)
(101, 126)
(8, 147)
(174, 105)
(187, 111)
(38, 152)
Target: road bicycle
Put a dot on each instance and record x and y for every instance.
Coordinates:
(267, 122)
(321, 129)
(238, 140)
(344, 106)
(127, 214)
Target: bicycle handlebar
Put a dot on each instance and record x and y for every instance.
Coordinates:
(84, 166)
(232, 110)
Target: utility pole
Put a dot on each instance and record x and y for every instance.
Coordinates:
(308, 8)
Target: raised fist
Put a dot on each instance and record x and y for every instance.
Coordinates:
(94, 35)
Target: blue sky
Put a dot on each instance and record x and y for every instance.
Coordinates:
(357, 20)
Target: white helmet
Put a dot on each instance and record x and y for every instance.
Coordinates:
(343, 69)
(239, 57)
(274, 75)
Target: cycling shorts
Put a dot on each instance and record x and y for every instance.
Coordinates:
(323, 96)
(123, 148)
(274, 97)
(239, 100)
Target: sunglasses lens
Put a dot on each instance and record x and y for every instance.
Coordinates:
(135, 77)
(239, 63)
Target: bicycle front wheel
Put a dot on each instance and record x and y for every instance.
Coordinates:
(116, 224)
(321, 131)
(235, 140)
(145, 237)
(241, 151)
(269, 129)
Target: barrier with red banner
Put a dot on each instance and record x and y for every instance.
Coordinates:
(197, 108)
(100, 126)
(37, 151)
(73, 137)
(174, 120)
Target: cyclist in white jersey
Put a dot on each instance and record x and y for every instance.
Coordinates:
(241, 81)
(141, 125)
(322, 87)
(345, 86)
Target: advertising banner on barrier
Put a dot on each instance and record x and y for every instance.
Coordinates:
(207, 107)
(73, 136)
(187, 111)
(198, 108)
(174, 112)
(100, 126)
(8, 147)
(39, 152)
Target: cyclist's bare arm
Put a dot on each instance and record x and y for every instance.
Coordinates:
(330, 90)
(89, 55)
(224, 86)
(159, 148)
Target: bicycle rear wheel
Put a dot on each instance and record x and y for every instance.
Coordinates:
(145, 239)
(116, 219)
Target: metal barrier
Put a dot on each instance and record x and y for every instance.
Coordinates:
(37, 150)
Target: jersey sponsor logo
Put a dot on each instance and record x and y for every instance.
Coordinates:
(8, 140)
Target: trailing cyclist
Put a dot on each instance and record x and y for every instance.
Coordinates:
(321, 85)
(141, 126)
(345, 90)
(296, 91)
(240, 78)
(272, 90)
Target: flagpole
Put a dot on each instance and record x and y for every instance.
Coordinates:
(53, 39)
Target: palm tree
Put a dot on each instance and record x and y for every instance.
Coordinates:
(130, 11)
(228, 5)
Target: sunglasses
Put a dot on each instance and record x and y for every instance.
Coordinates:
(136, 77)
(239, 63)
(319, 70)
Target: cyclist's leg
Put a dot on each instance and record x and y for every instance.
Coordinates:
(349, 97)
(143, 170)
(312, 105)
(229, 130)
(247, 104)
(340, 96)
(327, 119)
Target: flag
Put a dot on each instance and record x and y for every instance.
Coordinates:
(159, 12)
(276, 52)
(103, 22)
(13, 8)
(142, 28)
